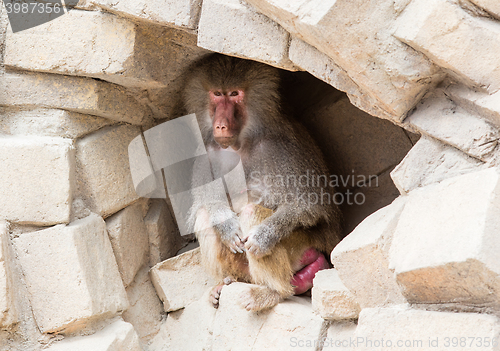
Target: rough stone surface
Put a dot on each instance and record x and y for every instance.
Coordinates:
(431, 161)
(129, 240)
(117, 336)
(145, 311)
(362, 44)
(491, 6)
(164, 237)
(183, 14)
(445, 245)
(93, 44)
(331, 299)
(71, 274)
(49, 122)
(83, 95)
(234, 28)
(405, 329)
(361, 259)
(103, 171)
(180, 280)
(440, 118)
(323, 67)
(190, 328)
(340, 335)
(8, 311)
(482, 104)
(37, 179)
(283, 327)
(454, 43)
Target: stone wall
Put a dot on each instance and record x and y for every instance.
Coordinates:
(77, 243)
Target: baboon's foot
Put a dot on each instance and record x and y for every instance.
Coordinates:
(216, 291)
(257, 298)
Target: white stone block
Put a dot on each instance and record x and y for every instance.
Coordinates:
(401, 328)
(190, 328)
(8, 308)
(431, 161)
(49, 122)
(445, 246)
(129, 240)
(357, 36)
(71, 274)
(234, 28)
(164, 237)
(37, 179)
(331, 299)
(115, 337)
(482, 104)
(286, 326)
(340, 335)
(93, 44)
(183, 14)
(145, 311)
(440, 118)
(361, 259)
(491, 6)
(103, 172)
(323, 67)
(453, 39)
(180, 280)
(83, 95)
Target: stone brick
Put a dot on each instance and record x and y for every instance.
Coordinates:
(94, 44)
(440, 118)
(49, 122)
(482, 104)
(491, 6)
(331, 299)
(180, 280)
(234, 28)
(389, 72)
(83, 95)
(129, 240)
(103, 171)
(190, 328)
(445, 246)
(290, 324)
(323, 67)
(431, 161)
(406, 329)
(37, 178)
(117, 336)
(361, 259)
(454, 43)
(183, 14)
(340, 335)
(8, 310)
(71, 274)
(164, 237)
(145, 311)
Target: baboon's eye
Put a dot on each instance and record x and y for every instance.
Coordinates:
(217, 93)
(234, 93)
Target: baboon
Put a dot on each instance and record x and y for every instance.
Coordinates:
(278, 240)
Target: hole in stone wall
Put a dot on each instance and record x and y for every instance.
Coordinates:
(360, 150)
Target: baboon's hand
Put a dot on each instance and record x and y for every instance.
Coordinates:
(261, 240)
(231, 235)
